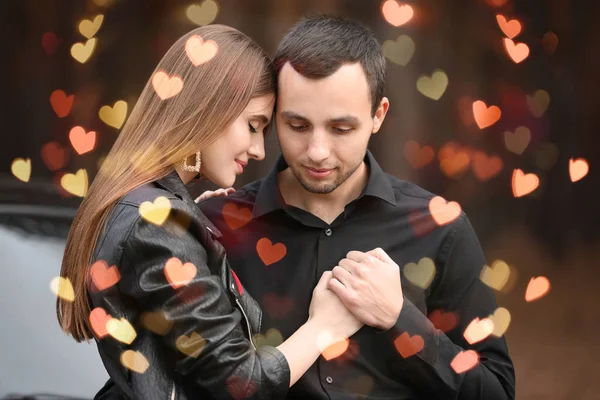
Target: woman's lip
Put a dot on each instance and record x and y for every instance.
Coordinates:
(242, 163)
(240, 166)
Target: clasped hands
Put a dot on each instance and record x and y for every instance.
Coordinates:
(368, 284)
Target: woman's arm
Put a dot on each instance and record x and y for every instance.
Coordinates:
(206, 335)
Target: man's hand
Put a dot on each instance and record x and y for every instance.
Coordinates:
(369, 286)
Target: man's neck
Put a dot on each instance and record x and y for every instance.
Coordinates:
(324, 206)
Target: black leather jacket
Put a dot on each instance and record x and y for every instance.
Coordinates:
(200, 347)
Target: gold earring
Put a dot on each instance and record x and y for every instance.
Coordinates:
(192, 168)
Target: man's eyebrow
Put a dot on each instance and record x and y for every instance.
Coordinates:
(292, 115)
(345, 119)
(263, 118)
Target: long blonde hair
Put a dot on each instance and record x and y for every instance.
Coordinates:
(157, 135)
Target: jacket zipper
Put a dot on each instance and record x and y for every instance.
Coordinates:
(247, 322)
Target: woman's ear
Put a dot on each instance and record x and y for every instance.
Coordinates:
(380, 114)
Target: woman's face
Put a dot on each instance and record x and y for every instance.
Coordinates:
(227, 157)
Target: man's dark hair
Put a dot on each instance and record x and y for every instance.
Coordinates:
(317, 46)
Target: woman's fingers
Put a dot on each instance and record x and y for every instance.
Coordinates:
(210, 193)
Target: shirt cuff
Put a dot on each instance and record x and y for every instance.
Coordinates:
(413, 322)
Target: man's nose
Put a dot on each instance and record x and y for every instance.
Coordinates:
(319, 146)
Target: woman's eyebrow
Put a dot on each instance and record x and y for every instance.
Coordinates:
(261, 117)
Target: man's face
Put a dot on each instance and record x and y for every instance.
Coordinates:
(324, 125)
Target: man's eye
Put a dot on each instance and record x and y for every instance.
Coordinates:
(297, 127)
(341, 130)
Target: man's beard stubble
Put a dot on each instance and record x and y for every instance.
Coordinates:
(328, 187)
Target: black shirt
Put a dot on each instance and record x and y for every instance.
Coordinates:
(279, 252)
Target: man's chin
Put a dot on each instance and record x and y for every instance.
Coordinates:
(317, 187)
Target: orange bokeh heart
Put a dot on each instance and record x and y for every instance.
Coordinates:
(478, 330)
(200, 51)
(444, 212)
(335, 350)
(82, 141)
(537, 288)
(517, 51)
(397, 14)
(444, 321)
(270, 253)
(104, 276)
(485, 116)
(61, 103)
(179, 274)
(578, 169)
(408, 345)
(165, 86)
(236, 217)
(486, 167)
(98, 319)
(510, 28)
(54, 155)
(464, 361)
(418, 156)
(523, 184)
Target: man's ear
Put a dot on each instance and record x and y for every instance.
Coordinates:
(380, 114)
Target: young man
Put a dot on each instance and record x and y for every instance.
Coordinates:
(327, 205)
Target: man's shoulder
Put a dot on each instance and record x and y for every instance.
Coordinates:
(408, 193)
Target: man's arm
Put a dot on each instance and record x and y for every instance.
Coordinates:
(457, 289)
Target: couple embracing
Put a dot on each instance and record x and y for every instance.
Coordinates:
(291, 286)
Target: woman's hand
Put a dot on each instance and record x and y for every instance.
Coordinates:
(210, 193)
(329, 313)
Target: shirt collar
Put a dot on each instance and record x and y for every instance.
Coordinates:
(269, 197)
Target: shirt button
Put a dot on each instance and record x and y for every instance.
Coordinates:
(328, 232)
(329, 379)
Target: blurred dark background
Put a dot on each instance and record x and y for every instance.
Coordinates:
(551, 231)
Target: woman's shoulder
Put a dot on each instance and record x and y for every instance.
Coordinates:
(147, 193)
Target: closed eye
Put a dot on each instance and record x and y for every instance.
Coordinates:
(252, 129)
(298, 128)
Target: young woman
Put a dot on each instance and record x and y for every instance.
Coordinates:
(152, 284)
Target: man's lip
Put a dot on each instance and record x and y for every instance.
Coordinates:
(318, 170)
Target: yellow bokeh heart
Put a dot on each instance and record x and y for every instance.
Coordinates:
(191, 346)
(121, 330)
(82, 52)
(114, 116)
(495, 276)
(204, 13)
(90, 28)
(156, 212)
(399, 51)
(62, 288)
(76, 184)
(21, 169)
(501, 320)
(135, 361)
(272, 338)
(434, 86)
(420, 274)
